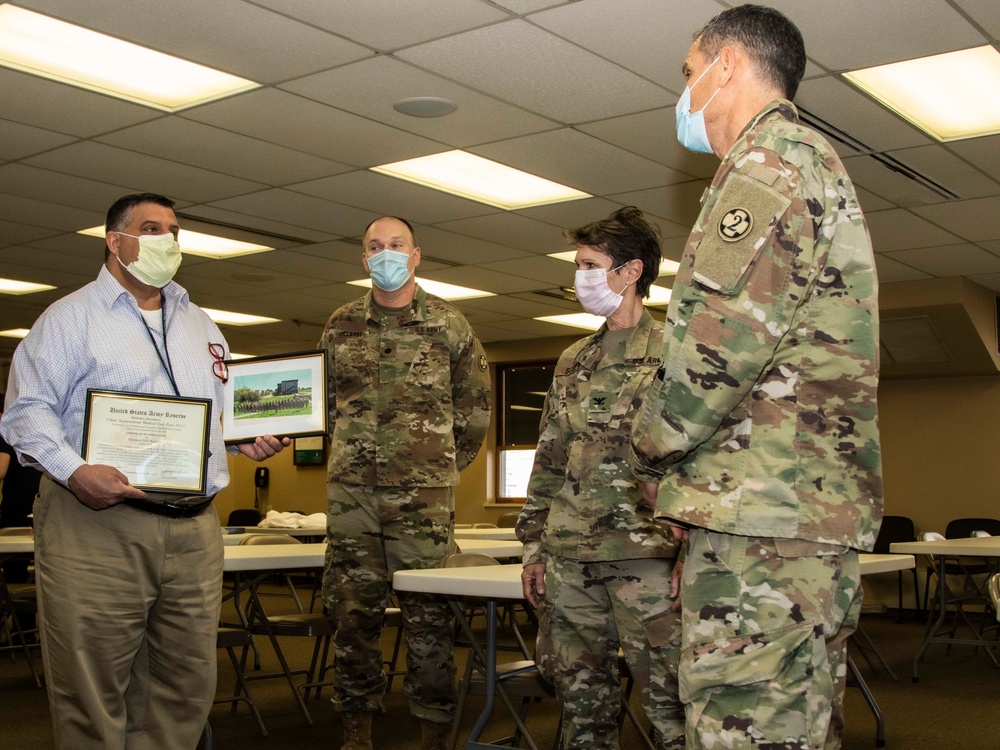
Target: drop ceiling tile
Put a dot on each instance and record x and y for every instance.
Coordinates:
(571, 214)
(300, 210)
(140, 172)
(529, 67)
(288, 120)
(983, 153)
(898, 229)
(882, 32)
(871, 202)
(866, 172)
(387, 195)
(680, 204)
(974, 220)
(85, 264)
(889, 270)
(43, 184)
(580, 161)
(15, 233)
(370, 87)
(540, 271)
(229, 35)
(73, 244)
(390, 24)
(653, 135)
(496, 332)
(211, 291)
(989, 280)
(316, 305)
(312, 269)
(15, 265)
(49, 215)
(529, 6)
(515, 231)
(962, 178)
(846, 108)
(18, 140)
(279, 229)
(992, 246)
(949, 260)
(983, 12)
(458, 248)
(33, 100)
(188, 142)
(525, 306)
(649, 37)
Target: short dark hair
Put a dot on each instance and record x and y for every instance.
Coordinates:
(413, 235)
(772, 41)
(624, 236)
(120, 212)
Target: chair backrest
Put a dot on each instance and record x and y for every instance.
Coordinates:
(894, 529)
(468, 560)
(243, 517)
(508, 520)
(960, 528)
(931, 536)
(269, 539)
(485, 526)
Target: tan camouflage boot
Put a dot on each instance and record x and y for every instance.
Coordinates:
(434, 735)
(357, 731)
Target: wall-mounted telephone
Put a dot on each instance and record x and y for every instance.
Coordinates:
(260, 476)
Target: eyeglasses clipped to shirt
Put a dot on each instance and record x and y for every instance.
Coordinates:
(219, 368)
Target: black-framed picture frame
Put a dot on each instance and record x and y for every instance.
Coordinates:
(309, 451)
(282, 395)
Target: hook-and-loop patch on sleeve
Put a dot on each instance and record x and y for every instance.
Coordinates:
(745, 214)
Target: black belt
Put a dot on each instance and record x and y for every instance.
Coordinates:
(171, 506)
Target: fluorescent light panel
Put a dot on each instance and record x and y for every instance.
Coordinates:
(71, 54)
(15, 333)
(198, 243)
(226, 317)
(575, 320)
(667, 267)
(950, 97)
(13, 286)
(470, 176)
(438, 288)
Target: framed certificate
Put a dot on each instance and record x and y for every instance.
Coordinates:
(159, 442)
(282, 395)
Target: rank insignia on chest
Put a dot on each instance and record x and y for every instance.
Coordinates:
(600, 402)
(735, 224)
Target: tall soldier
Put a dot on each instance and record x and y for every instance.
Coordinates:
(409, 409)
(760, 436)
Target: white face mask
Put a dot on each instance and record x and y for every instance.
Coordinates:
(593, 292)
(158, 261)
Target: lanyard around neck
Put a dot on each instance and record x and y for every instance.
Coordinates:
(163, 356)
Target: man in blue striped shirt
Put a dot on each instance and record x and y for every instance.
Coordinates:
(128, 581)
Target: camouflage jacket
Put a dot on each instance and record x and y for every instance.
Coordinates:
(763, 421)
(582, 496)
(409, 404)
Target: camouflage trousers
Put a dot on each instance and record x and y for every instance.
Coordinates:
(373, 532)
(765, 628)
(589, 611)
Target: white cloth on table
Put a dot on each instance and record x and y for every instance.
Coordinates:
(282, 520)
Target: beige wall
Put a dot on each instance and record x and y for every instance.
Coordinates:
(940, 444)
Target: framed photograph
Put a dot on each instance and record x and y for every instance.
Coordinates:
(282, 395)
(159, 442)
(309, 451)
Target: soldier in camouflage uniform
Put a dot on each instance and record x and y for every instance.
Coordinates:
(761, 430)
(596, 563)
(409, 400)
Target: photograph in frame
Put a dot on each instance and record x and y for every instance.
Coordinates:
(159, 442)
(282, 395)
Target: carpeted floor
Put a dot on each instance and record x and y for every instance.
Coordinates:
(953, 707)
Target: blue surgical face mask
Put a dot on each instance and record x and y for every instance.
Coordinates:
(691, 130)
(389, 269)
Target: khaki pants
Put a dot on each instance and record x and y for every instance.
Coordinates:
(129, 605)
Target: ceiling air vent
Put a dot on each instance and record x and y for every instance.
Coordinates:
(912, 341)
